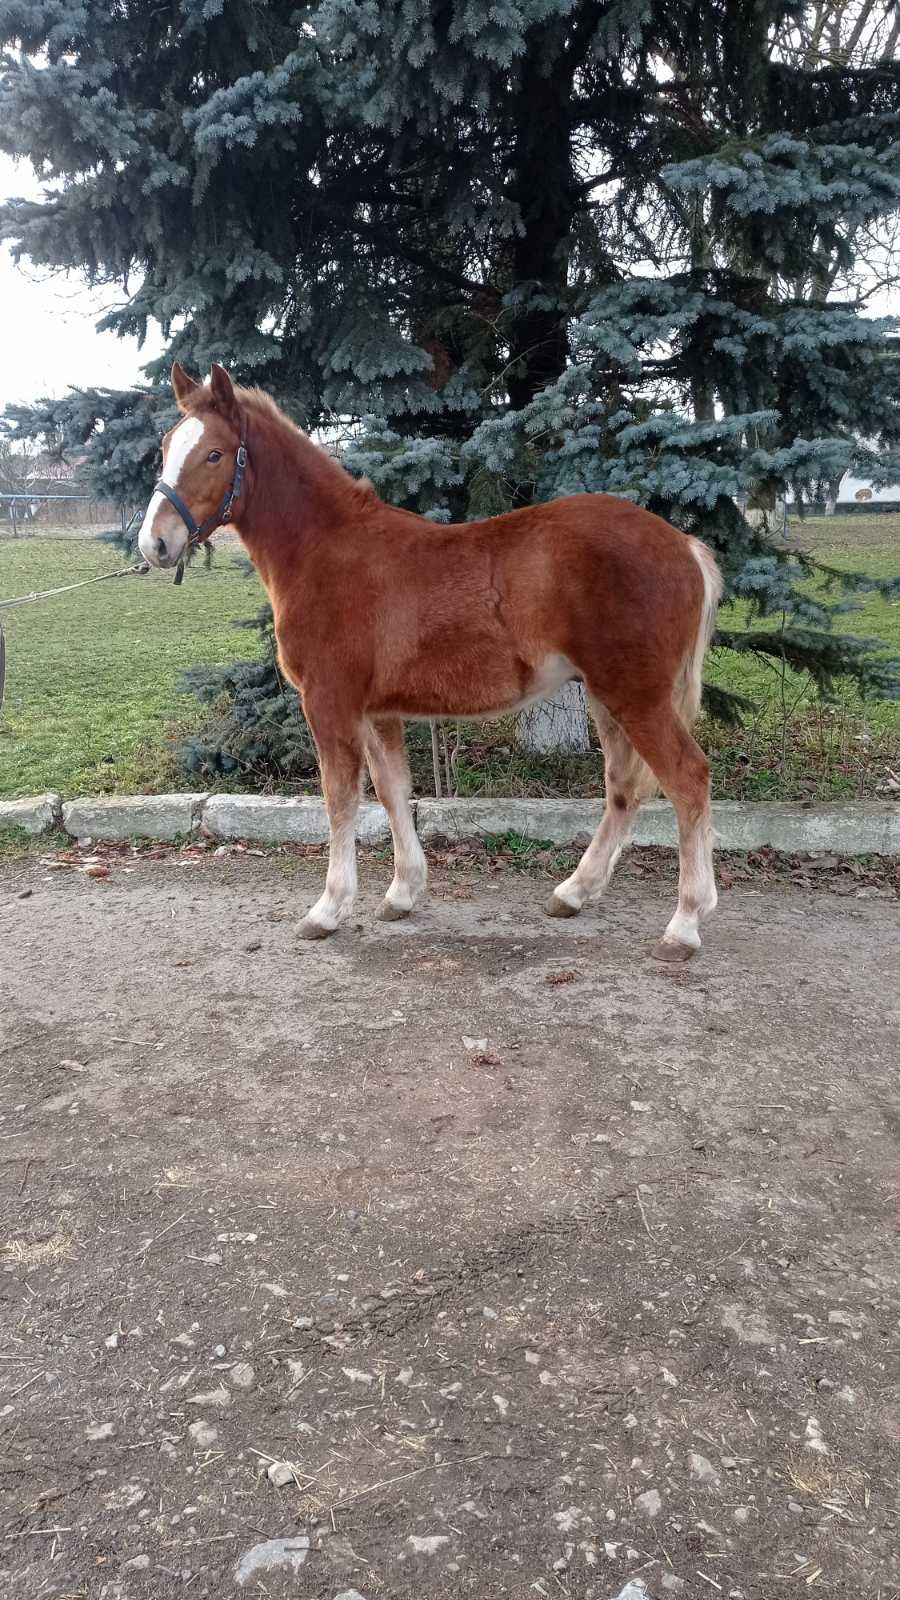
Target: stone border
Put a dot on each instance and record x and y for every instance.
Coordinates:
(856, 828)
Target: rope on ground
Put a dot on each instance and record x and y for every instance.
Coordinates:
(45, 594)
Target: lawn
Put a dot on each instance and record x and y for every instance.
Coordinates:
(91, 697)
(92, 703)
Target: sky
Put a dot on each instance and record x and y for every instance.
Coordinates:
(48, 338)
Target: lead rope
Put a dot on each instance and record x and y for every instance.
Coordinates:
(45, 594)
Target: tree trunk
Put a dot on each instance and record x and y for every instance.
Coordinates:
(545, 190)
(556, 726)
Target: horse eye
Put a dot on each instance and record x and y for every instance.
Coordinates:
(214, 455)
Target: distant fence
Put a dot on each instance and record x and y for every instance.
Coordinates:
(25, 511)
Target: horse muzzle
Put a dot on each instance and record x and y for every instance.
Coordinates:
(162, 540)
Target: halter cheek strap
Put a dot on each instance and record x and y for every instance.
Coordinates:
(197, 532)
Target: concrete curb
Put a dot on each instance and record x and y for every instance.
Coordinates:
(855, 828)
(38, 814)
(117, 817)
(275, 819)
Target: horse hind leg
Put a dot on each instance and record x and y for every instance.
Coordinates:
(628, 782)
(683, 772)
(389, 765)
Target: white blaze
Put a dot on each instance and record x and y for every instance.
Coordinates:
(186, 435)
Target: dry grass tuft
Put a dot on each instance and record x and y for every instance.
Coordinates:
(822, 1479)
(47, 1251)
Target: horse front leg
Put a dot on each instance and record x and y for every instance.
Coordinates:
(340, 749)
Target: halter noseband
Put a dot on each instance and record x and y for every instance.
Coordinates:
(197, 532)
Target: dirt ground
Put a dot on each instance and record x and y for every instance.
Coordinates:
(477, 1255)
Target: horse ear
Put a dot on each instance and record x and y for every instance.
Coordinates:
(183, 386)
(222, 391)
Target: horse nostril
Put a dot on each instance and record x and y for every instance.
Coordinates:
(161, 548)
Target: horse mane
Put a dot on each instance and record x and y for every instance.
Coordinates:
(288, 462)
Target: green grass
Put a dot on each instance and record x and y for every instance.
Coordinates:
(91, 698)
(863, 544)
(793, 745)
(92, 704)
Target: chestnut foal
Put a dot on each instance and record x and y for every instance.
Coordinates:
(381, 615)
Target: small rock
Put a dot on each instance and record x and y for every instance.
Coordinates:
(649, 1503)
(814, 1440)
(357, 1375)
(671, 1583)
(218, 1351)
(741, 1514)
(281, 1473)
(24, 894)
(702, 1468)
(100, 1430)
(271, 1554)
(429, 1545)
(136, 1564)
(349, 1594)
(203, 1434)
(473, 1044)
(97, 869)
(489, 1313)
(751, 1327)
(253, 946)
(242, 1375)
(303, 1323)
(568, 1521)
(532, 1358)
(115, 1341)
(639, 1105)
(635, 1589)
(501, 1403)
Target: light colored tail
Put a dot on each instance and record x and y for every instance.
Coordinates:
(689, 686)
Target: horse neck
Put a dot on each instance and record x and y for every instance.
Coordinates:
(296, 492)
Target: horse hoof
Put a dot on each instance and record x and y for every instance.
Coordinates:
(313, 930)
(555, 907)
(666, 950)
(390, 913)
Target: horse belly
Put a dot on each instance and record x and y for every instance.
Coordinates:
(477, 689)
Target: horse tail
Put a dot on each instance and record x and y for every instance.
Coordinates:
(689, 685)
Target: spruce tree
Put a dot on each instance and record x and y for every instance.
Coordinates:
(514, 249)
